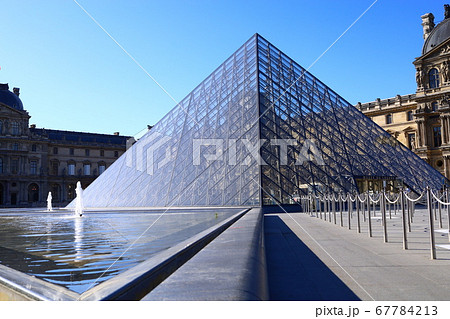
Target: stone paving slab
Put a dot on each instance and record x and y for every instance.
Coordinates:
(372, 269)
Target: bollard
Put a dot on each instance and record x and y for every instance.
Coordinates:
(340, 209)
(383, 216)
(430, 213)
(402, 204)
(349, 212)
(369, 218)
(364, 209)
(448, 213)
(440, 215)
(390, 213)
(330, 208)
(374, 209)
(320, 207)
(358, 223)
(396, 206)
(408, 215)
(334, 210)
(435, 211)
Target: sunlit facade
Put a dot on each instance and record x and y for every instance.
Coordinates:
(35, 161)
(420, 121)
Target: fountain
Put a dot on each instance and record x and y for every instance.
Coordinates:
(49, 202)
(79, 200)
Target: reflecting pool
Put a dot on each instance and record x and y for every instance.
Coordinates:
(80, 252)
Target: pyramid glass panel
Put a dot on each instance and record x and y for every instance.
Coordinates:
(260, 130)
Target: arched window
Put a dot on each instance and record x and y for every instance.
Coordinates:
(433, 78)
(33, 193)
(15, 128)
(389, 119)
(71, 191)
(33, 148)
(56, 192)
(1, 165)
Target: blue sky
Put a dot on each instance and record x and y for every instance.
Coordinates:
(72, 76)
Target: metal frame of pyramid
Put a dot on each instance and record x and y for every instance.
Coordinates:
(260, 130)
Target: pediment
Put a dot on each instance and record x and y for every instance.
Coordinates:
(6, 111)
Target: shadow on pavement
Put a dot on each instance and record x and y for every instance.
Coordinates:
(294, 271)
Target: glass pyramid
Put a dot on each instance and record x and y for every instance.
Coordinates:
(259, 130)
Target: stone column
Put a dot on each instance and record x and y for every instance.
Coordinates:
(445, 158)
(444, 128)
(421, 138)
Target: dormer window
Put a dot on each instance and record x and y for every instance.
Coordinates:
(433, 78)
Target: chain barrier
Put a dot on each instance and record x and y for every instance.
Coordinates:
(325, 207)
(438, 200)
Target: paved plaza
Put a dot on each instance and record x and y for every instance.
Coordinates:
(309, 258)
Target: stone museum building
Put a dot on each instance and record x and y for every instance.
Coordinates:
(421, 121)
(34, 161)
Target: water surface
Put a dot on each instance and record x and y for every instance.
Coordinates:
(80, 252)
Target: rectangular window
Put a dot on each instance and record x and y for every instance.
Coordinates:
(389, 119)
(116, 154)
(55, 150)
(55, 166)
(33, 167)
(15, 128)
(412, 141)
(102, 152)
(437, 141)
(71, 151)
(409, 116)
(101, 169)
(14, 166)
(71, 169)
(86, 152)
(87, 169)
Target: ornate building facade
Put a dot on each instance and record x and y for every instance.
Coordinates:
(34, 161)
(421, 121)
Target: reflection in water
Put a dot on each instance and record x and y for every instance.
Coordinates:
(75, 251)
(79, 207)
(78, 238)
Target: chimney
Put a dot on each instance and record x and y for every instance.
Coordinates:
(427, 24)
(116, 133)
(33, 126)
(446, 11)
(16, 91)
